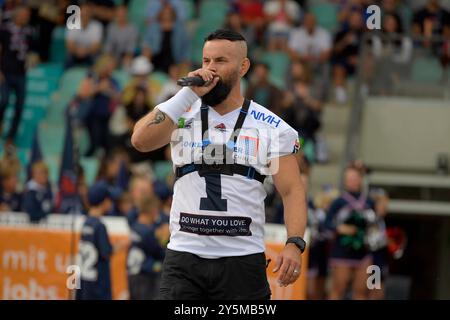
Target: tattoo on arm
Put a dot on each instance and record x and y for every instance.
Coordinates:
(159, 117)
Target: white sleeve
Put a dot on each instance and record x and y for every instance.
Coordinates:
(283, 143)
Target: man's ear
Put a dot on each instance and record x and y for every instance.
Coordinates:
(244, 67)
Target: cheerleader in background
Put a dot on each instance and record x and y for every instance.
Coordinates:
(348, 218)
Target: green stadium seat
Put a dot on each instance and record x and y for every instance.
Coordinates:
(58, 45)
(189, 6)
(90, 167)
(200, 34)
(427, 70)
(278, 63)
(214, 11)
(71, 79)
(137, 13)
(162, 169)
(326, 15)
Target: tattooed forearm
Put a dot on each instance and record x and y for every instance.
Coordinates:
(159, 117)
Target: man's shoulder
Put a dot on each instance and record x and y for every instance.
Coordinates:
(264, 118)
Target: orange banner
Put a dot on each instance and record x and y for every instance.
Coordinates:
(34, 263)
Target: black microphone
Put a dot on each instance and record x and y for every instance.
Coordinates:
(191, 81)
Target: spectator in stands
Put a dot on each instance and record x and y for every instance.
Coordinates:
(84, 45)
(7, 9)
(234, 22)
(140, 187)
(155, 6)
(121, 38)
(377, 239)
(170, 88)
(95, 247)
(348, 218)
(164, 194)
(38, 196)
(311, 44)
(430, 19)
(345, 54)
(281, 16)
(51, 14)
(251, 12)
(392, 51)
(140, 71)
(166, 41)
(104, 100)
(122, 205)
(10, 198)
(15, 46)
(319, 244)
(103, 11)
(347, 7)
(302, 106)
(262, 91)
(444, 51)
(391, 7)
(145, 256)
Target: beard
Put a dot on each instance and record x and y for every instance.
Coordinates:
(220, 91)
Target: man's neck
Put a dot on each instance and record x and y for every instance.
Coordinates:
(232, 102)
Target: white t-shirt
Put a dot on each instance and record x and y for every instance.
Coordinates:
(196, 225)
(313, 44)
(87, 36)
(273, 7)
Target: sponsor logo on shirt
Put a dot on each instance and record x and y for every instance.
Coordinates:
(270, 119)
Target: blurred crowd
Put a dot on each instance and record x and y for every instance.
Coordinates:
(319, 63)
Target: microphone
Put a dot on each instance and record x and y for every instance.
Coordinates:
(191, 81)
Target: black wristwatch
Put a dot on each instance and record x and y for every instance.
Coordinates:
(298, 241)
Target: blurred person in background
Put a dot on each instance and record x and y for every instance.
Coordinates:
(444, 51)
(95, 248)
(251, 13)
(121, 38)
(392, 51)
(302, 106)
(105, 94)
(348, 218)
(262, 90)
(37, 198)
(312, 44)
(378, 241)
(51, 13)
(430, 20)
(103, 11)
(140, 187)
(15, 46)
(170, 88)
(318, 268)
(281, 17)
(10, 197)
(155, 7)
(234, 22)
(145, 256)
(84, 45)
(347, 7)
(166, 41)
(140, 71)
(345, 54)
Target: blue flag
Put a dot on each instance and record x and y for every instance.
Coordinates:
(123, 177)
(36, 153)
(68, 200)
